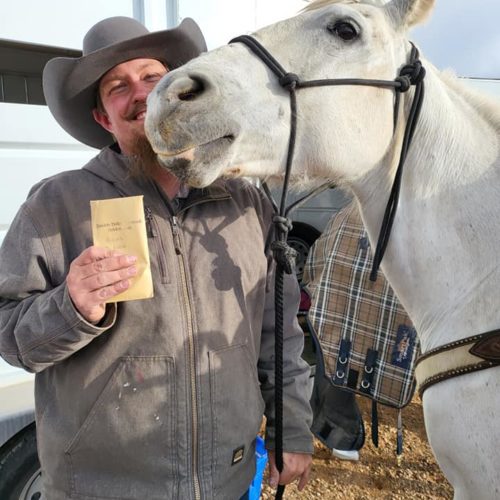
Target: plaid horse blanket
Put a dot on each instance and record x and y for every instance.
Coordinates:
(368, 343)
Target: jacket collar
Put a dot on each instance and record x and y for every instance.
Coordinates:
(114, 168)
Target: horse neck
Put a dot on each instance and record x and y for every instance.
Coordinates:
(442, 258)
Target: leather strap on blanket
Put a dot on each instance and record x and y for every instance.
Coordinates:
(458, 358)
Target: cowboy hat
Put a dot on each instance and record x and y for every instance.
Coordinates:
(70, 84)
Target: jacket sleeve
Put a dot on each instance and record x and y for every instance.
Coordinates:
(39, 325)
(297, 413)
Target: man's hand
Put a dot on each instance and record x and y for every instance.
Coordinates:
(295, 466)
(96, 275)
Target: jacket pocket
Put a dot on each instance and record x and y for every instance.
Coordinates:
(125, 447)
(237, 411)
(156, 248)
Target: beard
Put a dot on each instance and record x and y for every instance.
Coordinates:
(143, 160)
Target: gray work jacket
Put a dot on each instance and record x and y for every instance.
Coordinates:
(164, 399)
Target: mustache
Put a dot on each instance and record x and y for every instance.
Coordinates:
(137, 108)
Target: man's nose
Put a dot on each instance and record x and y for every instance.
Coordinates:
(141, 90)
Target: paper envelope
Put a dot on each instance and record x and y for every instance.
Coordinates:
(119, 224)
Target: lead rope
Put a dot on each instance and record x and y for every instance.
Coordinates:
(411, 74)
(284, 255)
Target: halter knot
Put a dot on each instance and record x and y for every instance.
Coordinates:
(284, 255)
(283, 224)
(404, 83)
(289, 81)
(411, 74)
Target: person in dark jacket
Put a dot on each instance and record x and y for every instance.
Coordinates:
(160, 398)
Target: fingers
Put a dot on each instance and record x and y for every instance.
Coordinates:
(95, 260)
(274, 475)
(96, 275)
(296, 466)
(94, 253)
(102, 279)
(304, 479)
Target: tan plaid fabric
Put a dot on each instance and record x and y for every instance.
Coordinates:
(347, 305)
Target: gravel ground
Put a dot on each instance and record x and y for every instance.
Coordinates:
(377, 474)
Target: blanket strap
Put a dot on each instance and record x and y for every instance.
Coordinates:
(458, 358)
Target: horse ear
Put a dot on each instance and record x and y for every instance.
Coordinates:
(408, 13)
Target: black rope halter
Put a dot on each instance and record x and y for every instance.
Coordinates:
(411, 74)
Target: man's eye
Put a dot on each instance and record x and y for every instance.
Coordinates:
(153, 77)
(115, 89)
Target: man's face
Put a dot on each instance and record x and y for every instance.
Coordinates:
(123, 91)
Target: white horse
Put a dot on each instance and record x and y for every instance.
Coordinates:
(225, 114)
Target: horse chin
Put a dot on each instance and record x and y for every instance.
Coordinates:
(189, 171)
(201, 165)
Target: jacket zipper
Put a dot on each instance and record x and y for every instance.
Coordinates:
(192, 360)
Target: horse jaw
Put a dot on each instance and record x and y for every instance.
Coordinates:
(201, 165)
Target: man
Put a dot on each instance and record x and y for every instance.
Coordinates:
(159, 398)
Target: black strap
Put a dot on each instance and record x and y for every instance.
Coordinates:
(411, 74)
(374, 423)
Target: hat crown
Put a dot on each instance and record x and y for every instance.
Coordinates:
(111, 31)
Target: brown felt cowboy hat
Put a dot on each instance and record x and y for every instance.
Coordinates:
(70, 84)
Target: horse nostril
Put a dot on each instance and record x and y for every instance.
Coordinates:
(187, 96)
(196, 88)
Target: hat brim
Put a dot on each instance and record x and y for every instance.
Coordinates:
(70, 84)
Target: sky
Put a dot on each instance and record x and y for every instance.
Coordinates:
(463, 35)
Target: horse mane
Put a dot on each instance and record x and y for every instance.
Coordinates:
(318, 4)
(486, 105)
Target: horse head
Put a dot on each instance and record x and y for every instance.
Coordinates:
(226, 114)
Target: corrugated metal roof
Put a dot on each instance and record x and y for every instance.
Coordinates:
(21, 67)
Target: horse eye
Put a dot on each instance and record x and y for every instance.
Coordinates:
(344, 30)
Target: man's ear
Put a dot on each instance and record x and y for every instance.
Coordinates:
(102, 119)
